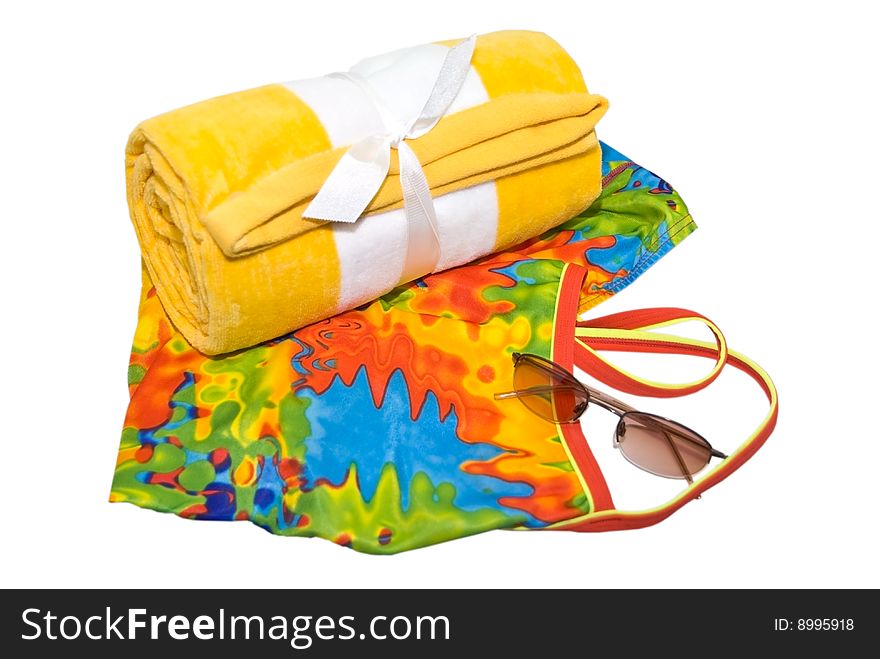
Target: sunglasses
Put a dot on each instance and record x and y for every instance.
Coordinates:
(652, 443)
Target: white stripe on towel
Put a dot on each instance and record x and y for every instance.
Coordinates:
(398, 78)
(371, 251)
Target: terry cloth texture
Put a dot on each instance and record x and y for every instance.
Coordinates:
(217, 190)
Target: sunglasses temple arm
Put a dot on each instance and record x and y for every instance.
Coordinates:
(620, 408)
(678, 458)
(609, 402)
(531, 391)
(715, 453)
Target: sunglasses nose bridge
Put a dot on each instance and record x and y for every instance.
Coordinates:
(581, 407)
(619, 432)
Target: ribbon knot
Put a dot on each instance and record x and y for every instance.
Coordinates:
(395, 137)
(360, 172)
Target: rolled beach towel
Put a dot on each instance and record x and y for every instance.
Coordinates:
(221, 192)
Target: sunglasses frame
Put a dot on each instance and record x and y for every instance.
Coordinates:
(606, 402)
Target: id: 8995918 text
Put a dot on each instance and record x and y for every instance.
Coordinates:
(814, 624)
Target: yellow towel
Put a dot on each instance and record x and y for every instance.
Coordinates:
(217, 190)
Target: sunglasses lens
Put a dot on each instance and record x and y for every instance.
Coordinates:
(551, 394)
(661, 447)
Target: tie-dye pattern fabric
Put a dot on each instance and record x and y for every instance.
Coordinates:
(377, 428)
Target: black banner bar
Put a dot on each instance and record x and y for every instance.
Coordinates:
(316, 623)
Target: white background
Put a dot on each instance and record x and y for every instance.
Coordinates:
(763, 115)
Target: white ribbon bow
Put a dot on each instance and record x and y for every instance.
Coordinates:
(358, 175)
